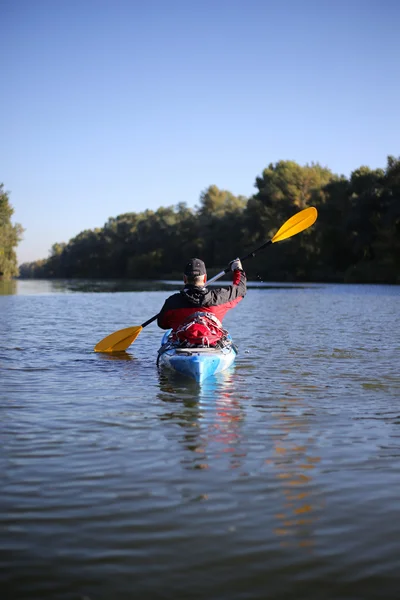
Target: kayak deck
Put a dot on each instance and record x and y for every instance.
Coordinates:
(198, 363)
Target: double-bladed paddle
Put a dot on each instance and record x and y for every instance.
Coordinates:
(120, 340)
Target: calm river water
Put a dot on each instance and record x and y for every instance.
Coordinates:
(279, 479)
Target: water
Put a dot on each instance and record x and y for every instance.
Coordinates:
(278, 479)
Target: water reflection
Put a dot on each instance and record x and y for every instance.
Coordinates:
(8, 288)
(294, 463)
(60, 286)
(116, 356)
(117, 285)
(210, 415)
(212, 418)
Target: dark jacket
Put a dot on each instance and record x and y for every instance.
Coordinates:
(178, 307)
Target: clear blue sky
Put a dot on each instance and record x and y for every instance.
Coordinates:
(112, 106)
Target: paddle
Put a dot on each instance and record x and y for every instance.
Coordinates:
(120, 340)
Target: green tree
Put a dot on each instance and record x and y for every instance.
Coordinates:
(356, 237)
(54, 264)
(286, 185)
(375, 223)
(390, 237)
(332, 237)
(220, 222)
(283, 189)
(10, 236)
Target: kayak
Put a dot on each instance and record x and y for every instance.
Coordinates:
(198, 362)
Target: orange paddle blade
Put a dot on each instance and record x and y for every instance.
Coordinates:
(119, 340)
(300, 221)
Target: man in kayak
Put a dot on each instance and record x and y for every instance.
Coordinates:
(196, 298)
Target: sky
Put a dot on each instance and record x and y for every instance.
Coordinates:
(115, 106)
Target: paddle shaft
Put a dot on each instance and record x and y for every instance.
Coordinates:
(150, 320)
(249, 255)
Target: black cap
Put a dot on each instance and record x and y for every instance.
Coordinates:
(195, 267)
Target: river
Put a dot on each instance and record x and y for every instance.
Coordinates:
(279, 479)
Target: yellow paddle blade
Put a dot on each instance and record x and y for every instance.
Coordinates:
(300, 221)
(119, 340)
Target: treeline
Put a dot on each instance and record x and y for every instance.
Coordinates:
(355, 239)
(10, 235)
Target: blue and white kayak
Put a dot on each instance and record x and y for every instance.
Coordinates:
(197, 363)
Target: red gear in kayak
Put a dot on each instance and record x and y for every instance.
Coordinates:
(195, 297)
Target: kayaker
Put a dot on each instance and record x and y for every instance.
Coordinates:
(195, 297)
